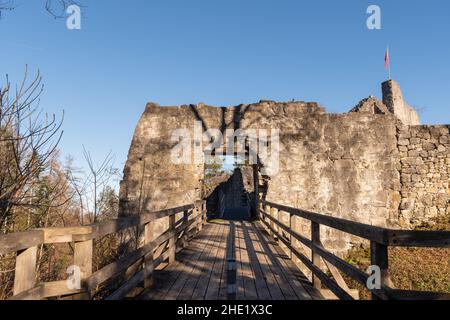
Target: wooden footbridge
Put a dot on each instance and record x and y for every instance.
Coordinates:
(195, 259)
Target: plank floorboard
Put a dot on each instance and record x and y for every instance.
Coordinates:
(263, 270)
(200, 270)
(248, 277)
(187, 268)
(272, 268)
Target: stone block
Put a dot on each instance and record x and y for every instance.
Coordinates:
(413, 153)
(428, 146)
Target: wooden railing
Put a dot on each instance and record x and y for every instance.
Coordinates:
(380, 240)
(137, 266)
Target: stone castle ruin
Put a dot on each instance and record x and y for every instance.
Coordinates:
(375, 164)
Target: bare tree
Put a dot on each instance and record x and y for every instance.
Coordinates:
(78, 186)
(98, 180)
(28, 142)
(56, 8)
(6, 5)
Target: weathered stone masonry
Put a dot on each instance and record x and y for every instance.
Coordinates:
(425, 173)
(374, 165)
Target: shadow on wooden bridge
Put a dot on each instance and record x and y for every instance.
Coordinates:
(231, 260)
(196, 260)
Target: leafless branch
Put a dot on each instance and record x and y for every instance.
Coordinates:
(6, 5)
(56, 8)
(28, 143)
(98, 178)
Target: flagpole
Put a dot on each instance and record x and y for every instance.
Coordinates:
(389, 62)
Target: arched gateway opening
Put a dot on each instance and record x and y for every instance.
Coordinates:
(172, 147)
(233, 199)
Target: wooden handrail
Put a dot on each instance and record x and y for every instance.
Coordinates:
(385, 236)
(380, 239)
(17, 241)
(141, 262)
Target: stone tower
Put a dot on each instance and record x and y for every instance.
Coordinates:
(394, 101)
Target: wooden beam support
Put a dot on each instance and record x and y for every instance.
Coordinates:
(25, 275)
(379, 257)
(256, 189)
(358, 229)
(83, 260)
(18, 241)
(291, 242)
(172, 240)
(148, 259)
(315, 257)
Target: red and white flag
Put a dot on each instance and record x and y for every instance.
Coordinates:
(387, 62)
(386, 59)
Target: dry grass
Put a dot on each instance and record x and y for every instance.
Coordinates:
(421, 269)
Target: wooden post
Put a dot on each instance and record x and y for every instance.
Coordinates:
(379, 257)
(294, 243)
(204, 212)
(256, 189)
(186, 216)
(272, 213)
(315, 238)
(275, 226)
(265, 209)
(290, 236)
(185, 238)
(148, 259)
(172, 240)
(199, 217)
(195, 217)
(25, 275)
(83, 260)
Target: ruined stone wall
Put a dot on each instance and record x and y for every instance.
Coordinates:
(343, 165)
(425, 173)
(375, 165)
(151, 180)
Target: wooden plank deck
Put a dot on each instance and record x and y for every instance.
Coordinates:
(263, 270)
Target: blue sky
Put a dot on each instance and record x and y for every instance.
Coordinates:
(222, 52)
